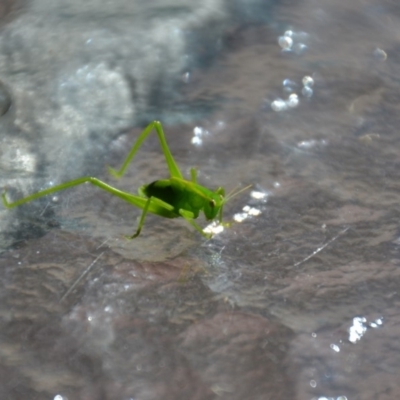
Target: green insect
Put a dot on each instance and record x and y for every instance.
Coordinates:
(169, 198)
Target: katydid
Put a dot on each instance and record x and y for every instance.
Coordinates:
(169, 198)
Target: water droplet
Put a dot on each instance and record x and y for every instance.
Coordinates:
(357, 330)
(306, 144)
(186, 77)
(299, 48)
(289, 85)
(198, 130)
(214, 228)
(293, 100)
(240, 217)
(285, 42)
(308, 81)
(279, 105)
(335, 347)
(307, 91)
(196, 141)
(258, 195)
(380, 54)
(254, 212)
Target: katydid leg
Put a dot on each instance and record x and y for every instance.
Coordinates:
(136, 200)
(172, 166)
(153, 205)
(141, 221)
(193, 174)
(220, 191)
(188, 215)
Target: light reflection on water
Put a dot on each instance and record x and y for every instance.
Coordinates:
(317, 255)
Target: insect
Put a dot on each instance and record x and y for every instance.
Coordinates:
(169, 198)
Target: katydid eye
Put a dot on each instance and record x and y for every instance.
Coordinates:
(212, 203)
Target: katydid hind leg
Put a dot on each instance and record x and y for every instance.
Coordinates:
(63, 186)
(171, 163)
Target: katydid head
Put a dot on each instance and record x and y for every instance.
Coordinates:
(216, 201)
(213, 204)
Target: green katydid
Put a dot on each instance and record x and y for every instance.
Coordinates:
(169, 198)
